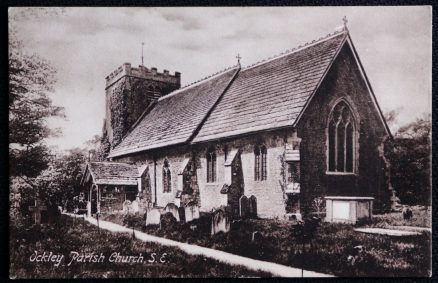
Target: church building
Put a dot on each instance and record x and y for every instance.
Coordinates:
(288, 131)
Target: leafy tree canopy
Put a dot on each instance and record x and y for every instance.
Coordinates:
(410, 157)
(31, 81)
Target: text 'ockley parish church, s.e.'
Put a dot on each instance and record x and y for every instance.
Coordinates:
(285, 131)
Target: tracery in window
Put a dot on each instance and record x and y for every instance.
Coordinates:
(260, 163)
(341, 144)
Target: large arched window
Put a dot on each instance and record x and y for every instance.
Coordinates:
(211, 165)
(260, 166)
(341, 135)
(167, 185)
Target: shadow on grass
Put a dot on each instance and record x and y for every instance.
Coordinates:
(68, 235)
(333, 250)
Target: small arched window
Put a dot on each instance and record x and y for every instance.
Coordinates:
(341, 135)
(263, 152)
(256, 163)
(260, 165)
(211, 165)
(167, 185)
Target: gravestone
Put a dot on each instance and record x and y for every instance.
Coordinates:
(88, 208)
(127, 208)
(407, 213)
(36, 211)
(134, 206)
(153, 217)
(256, 237)
(172, 208)
(243, 207)
(182, 214)
(191, 212)
(220, 222)
(252, 207)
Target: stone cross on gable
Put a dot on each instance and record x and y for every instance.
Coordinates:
(238, 59)
(344, 19)
(36, 211)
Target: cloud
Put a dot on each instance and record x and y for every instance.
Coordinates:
(86, 44)
(187, 22)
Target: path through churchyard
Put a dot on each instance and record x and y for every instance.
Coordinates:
(275, 269)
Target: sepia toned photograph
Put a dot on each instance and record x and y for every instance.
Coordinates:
(227, 142)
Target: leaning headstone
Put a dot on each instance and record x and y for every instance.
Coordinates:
(134, 206)
(252, 206)
(172, 208)
(243, 206)
(191, 212)
(153, 217)
(220, 222)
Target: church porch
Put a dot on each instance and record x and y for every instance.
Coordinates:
(111, 187)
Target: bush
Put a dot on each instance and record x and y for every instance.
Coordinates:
(134, 220)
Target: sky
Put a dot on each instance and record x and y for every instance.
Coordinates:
(87, 44)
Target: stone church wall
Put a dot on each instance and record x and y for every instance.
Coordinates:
(344, 80)
(129, 91)
(268, 192)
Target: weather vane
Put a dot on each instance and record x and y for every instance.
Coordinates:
(142, 44)
(238, 59)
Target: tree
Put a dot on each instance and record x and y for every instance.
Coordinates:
(57, 184)
(410, 162)
(31, 80)
(60, 182)
(96, 148)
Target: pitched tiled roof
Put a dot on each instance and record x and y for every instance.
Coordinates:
(176, 116)
(113, 173)
(271, 94)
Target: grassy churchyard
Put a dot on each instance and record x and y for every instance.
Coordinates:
(73, 248)
(335, 249)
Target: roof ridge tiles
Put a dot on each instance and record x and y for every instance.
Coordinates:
(205, 78)
(301, 46)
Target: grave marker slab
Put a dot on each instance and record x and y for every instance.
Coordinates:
(252, 207)
(36, 211)
(127, 206)
(256, 236)
(172, 208)
(182, 214)
(220, 222)
(191, 212)
(153, 217)
(243, 207)
(134, 206)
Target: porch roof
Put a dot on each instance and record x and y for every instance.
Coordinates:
(112, 173)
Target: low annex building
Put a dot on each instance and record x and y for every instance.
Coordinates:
(286, 131)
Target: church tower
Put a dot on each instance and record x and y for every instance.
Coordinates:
(129, 91)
